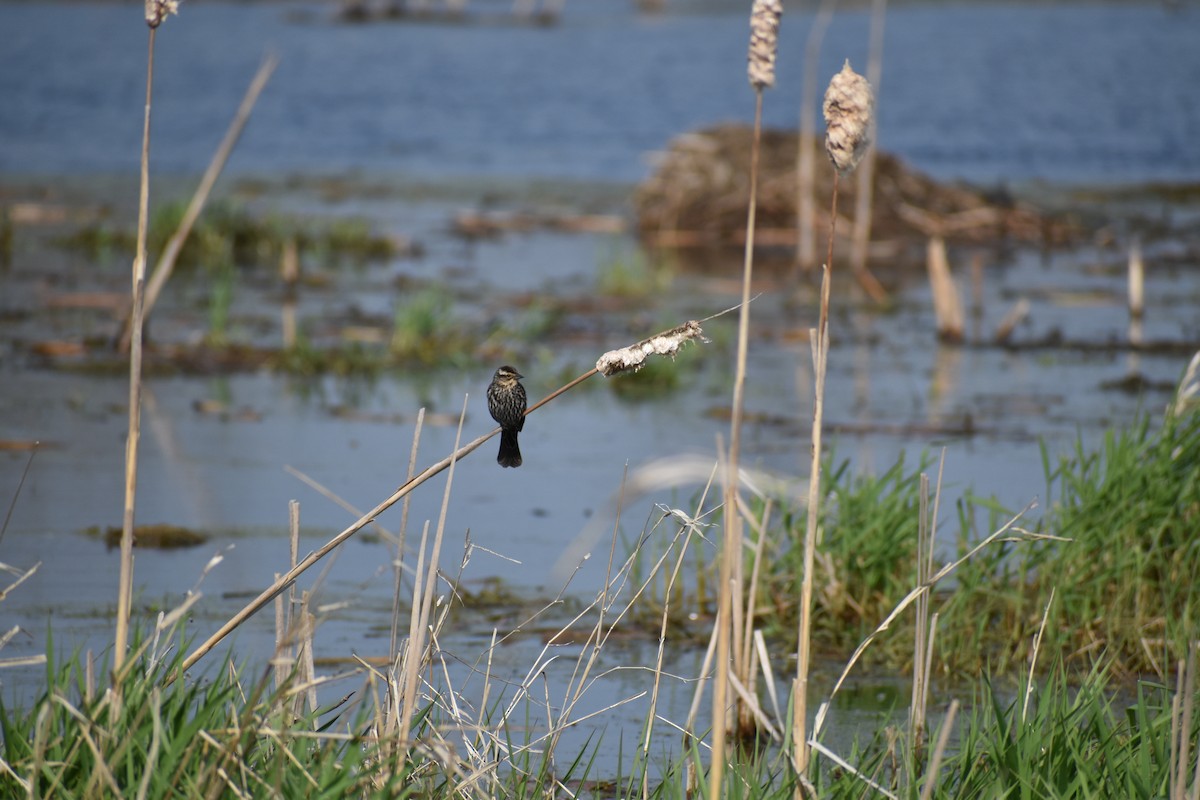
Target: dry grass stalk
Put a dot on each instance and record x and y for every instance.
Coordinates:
(912, 596)
(166, 262)
(1037, 646)
(848, 107)
(693, 526)
(156, 10)
(764, 31)
(399, 558)
(417, 653)
(946, 304)
(1182, 712)
(922, 639)
(1137, 280)
(1015, 316)
(1187, 395)
(404, 698)
(12, 504)
(939, 750)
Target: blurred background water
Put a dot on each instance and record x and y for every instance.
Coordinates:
(990, 92)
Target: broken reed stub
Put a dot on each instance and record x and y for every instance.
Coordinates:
(634, 357)
(159, 10)
(849, 109)
(764, 42)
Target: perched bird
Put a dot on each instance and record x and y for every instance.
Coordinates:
(506, 402)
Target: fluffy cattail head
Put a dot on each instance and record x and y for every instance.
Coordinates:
(849, 109)
(764, 37)
(634, 357)
(157, 11)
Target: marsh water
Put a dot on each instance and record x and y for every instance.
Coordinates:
(405, 125)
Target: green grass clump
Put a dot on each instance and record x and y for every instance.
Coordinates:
(426, 330)
(1122, 563)
(215, 738)
(225, 230)
(1128, 578)
(631, 275)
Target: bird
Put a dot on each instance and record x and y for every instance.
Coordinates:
(506, 402)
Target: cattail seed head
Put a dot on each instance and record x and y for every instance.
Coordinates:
(764, 37)
(634, 357)
(849, 109)
(158, 10)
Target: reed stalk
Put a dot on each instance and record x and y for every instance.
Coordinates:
(125, 575)
(393, 641)
(611, 363)
(849, 110)
(764, 35)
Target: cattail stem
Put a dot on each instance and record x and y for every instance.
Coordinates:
(731, 547)
(849, 108)
(125, 576)
(801, 750)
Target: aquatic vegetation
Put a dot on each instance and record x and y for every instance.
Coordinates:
(226, 229)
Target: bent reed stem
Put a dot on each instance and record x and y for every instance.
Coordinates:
(288, 578)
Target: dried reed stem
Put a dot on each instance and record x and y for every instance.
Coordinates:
(909, 599)
(820, 345)
(125, 577)
(849, 109)
(268, 594)
(947, 307)
(764, 32)
(399, 562)
(939, 750)
(731, 547)
(916, 728)
(1137, 280)
(417, 642)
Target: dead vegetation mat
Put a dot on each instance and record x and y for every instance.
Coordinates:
(699, 192)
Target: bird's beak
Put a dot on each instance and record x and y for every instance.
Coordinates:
(519, 375)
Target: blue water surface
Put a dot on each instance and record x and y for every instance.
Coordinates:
(1083, 93)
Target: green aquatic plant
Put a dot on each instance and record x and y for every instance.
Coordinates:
(426, 330)
(631, 274)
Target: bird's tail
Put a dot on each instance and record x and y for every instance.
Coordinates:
(510, 452)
